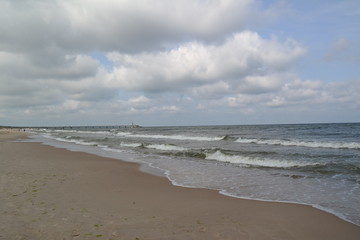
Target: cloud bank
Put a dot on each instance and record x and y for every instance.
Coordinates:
(65, 62)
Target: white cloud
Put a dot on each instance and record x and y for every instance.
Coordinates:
(316, 95)
(277, 102)
(167, 57)
(210, 91)
(244, 62)
(293, 96)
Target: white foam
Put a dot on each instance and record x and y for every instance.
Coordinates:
(336, 145)
(166, 147)
(173, 137)
(74, 131)
(95, 132)
(63, 131)
(261, 162)
(111, 149)
(134, 145)
(122, 134)
(79, 142)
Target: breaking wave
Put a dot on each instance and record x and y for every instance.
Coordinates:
(172, 137)
(336, 145)
(254, 161)
(77, 141)
(166, 147)
(134, 145)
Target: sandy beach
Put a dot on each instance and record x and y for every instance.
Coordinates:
(51, 193)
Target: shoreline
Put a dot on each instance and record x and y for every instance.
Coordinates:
(156, 171)
(84, 196)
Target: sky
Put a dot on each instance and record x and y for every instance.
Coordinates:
(179, 62)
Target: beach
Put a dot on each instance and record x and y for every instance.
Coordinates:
(53, 193)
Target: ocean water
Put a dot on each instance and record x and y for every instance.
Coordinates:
(314, 164)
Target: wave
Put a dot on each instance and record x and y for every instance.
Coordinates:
(336, 145)
(106, 148)
(134, 145)
(166, 147)
(191, 154)
(162, 147)
(76, 141)
(70, 131)
(254, 161)
(84, 132)
(350, 169)
(123, 134)
(63, 131)
(172, 137)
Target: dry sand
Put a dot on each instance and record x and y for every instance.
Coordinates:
(50, 193)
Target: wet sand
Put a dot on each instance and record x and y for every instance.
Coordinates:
(51, 193)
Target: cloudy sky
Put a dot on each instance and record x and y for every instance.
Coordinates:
(179, 62)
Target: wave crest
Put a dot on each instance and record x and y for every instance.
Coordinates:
(172, 137)
(134, 145)
(166, 147)
(254, 161)
(336, 145)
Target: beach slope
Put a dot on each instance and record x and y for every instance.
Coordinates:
(51, 193)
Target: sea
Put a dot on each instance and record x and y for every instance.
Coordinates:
(312, 164)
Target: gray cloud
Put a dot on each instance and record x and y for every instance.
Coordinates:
(165, 58)
(343, 50)
(125, 26)
(70, 67)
